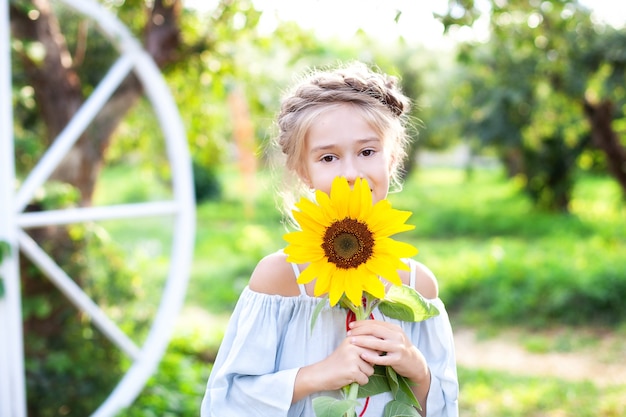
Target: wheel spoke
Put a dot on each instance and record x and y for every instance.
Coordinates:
(76, 295)
(85, 214)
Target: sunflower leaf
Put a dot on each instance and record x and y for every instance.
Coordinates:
(399, 409)
(403, 392)
(317, 311)
(377, 383)
(332, 407)
(404, 303)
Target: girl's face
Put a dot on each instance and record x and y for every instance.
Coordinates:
(341, 142)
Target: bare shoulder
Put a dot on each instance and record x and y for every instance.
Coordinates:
(425, 281)
(274, 275)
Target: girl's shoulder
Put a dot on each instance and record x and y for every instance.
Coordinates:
(425, 281)
(275, 276)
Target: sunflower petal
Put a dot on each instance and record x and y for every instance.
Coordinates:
(373, 285)
(326, 206)
(324, 278)
(340, 195)
(365, 203)
(308, 274)
(311, 212)
(353, 286)
(397, 249)
(386, 221)
(337, 287)
(386, 268)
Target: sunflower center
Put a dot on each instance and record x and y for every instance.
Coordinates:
(348, 243)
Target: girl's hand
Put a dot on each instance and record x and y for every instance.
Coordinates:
(386, 344)
(342, 367)
(347, 365)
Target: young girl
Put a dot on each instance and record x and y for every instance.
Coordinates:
(349, 122)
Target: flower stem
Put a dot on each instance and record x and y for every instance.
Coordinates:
(353, 392)
(360, 313)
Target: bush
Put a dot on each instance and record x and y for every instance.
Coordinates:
(206, 183)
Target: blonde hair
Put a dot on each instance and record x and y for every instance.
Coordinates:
(376, 95)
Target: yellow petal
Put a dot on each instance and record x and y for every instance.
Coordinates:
(308, 275)
(340, 196)
(337, 286)
(326, 206)
(398, 249)
(373, 285)
(302, 256)
(324, 279)
(310, 212)
(365, 201)
(385, 267)
(386, 221)
(353, 286)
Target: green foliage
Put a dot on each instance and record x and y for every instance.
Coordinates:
(206, 183)
(73, 372)
(502, 394)
(177, 387)
(523, 89)
(5, 250)
(500, 260)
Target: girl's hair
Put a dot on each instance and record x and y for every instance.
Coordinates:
(377, 95)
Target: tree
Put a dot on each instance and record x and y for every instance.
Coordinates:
(527, 84)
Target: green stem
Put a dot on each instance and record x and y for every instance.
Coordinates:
(353, 391)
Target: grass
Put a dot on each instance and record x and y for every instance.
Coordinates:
(491, 393)
(499, 263)
(496, 257)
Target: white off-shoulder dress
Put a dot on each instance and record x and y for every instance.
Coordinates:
(269, 338)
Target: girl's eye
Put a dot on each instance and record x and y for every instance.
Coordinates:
(328, 158)
(368, 152)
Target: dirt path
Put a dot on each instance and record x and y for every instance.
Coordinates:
(600, 361)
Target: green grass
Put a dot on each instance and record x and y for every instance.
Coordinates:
(490, 393)
(496, 257)
(499, 263)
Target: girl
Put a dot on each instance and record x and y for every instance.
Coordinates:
(348, 121)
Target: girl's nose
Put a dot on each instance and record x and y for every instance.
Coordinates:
(351, 171)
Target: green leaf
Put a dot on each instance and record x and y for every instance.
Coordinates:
(377, 383)
(399, 409)
(405, 394)
(404, 303)
(332, 407)
(401, 388)
(392, 378)
(317, 311)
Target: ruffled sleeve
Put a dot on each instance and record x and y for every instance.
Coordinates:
(246, 379)
(435, 341)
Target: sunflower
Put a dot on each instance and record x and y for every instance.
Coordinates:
(344, 239)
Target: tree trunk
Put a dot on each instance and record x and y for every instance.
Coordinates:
(600, 116)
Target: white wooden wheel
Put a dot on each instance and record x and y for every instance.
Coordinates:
(181, 208)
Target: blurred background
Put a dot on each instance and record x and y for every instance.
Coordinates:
(516, 180)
